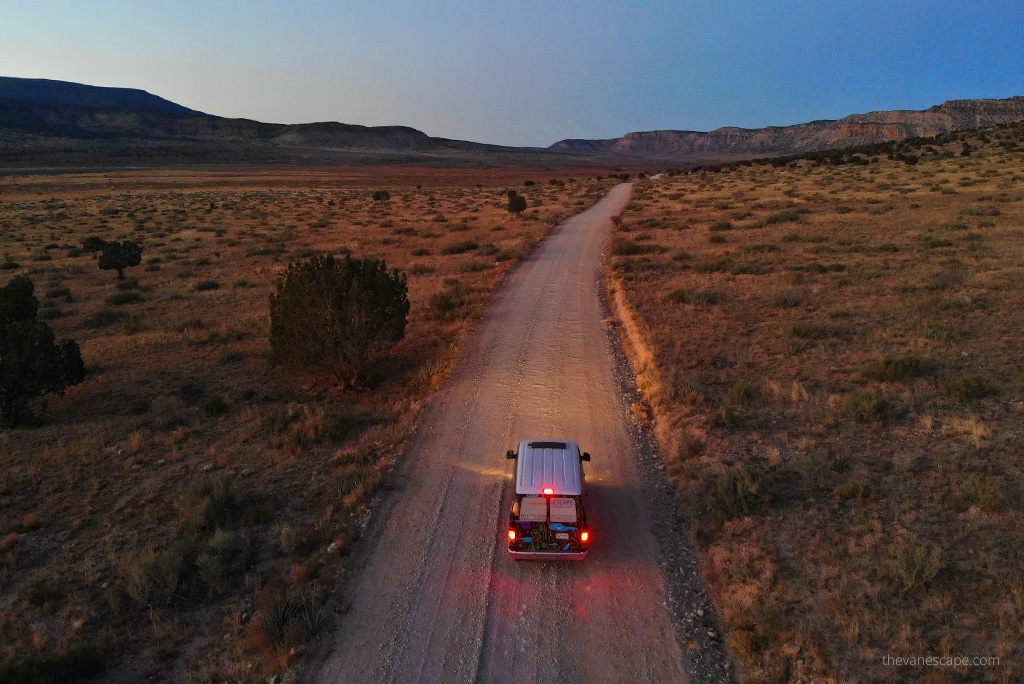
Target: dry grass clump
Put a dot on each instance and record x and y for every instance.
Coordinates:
(842, 424)
(183, 513)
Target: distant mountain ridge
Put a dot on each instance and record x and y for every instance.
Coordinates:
(47, 124)
(65, 92)
(853, 130)
(50, 123)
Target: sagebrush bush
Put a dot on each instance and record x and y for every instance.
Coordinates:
(969, 387)
(896, 368)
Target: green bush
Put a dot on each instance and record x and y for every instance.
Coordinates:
(337, 315)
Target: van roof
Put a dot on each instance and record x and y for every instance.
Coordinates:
(553, 464)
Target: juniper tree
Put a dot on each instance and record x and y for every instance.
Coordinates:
(31, 362)
(118, 256)
(337, 315)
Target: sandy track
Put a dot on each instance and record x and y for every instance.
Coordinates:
(439, 599)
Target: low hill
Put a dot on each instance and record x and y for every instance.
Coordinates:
(853, 130)
(56, 124)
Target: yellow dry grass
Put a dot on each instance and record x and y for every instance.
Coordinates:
(837, 379)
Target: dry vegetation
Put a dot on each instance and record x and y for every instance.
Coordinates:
(183, 513)
(837, 371)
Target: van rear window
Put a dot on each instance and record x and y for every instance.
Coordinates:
(533, 509)
(563, 510)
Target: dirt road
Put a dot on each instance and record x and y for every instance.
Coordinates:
(439, 599)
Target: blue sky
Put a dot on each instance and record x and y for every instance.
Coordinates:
(527, 72)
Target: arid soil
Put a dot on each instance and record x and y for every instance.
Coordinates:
(439, 598)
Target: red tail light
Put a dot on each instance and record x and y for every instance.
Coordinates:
(511, 535)
(548, 491)
(584, 536)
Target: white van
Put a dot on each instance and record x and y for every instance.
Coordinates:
(548, 520)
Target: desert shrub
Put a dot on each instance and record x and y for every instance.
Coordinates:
(32, 363)
(736, 492)
(286, 617)
(122, 298)
(787, 300)
(867, 407)
(720, 225)
(101, 319)
(914, 565)
(216, 407)
(938, 331)
(854, 489)
(337, 315)
(516, 253)
(297, 426)
(421, 251)
(933, 242)
(633, 248)
(724, 417)
(472, 266)
(896, 368)
(787, 216)
(452, 303)
(694, 297)
(207, 285)
(381, 196)
(742, 393)
(969, 387)
(984, 492)
(211, 501)
(516, 203)
(118, 256)
(460, 247)
(810, 331)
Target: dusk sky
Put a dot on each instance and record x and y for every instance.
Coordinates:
(527, 72)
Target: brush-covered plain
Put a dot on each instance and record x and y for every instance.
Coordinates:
(184, 512)
(837, 374)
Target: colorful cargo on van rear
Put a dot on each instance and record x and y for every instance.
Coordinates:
(548, 520)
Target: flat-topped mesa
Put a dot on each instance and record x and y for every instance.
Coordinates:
(731, 142)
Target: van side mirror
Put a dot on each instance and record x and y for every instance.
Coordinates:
(585, 456)
(510, 454)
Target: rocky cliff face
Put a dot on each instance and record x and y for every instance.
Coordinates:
(856, 129)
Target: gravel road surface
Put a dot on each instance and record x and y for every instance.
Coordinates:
(437, 598)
